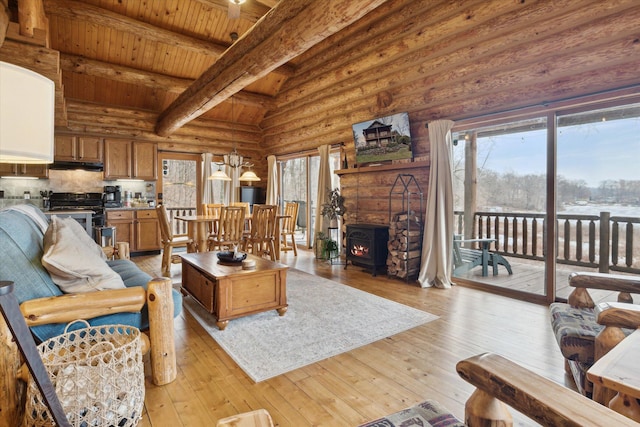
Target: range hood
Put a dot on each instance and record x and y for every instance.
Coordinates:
(93, 167)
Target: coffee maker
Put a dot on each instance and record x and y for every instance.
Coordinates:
(112, 196)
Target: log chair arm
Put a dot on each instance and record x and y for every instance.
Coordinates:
(69, 307)
(626, 285)
(500, 381)
(618, 314)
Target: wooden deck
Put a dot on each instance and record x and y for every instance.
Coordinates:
(528, 276)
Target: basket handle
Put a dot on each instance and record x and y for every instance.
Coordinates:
(87, 325)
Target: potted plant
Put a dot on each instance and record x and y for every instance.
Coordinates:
(334, 207)
(326, 248)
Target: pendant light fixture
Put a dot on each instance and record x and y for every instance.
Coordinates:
(234, 159)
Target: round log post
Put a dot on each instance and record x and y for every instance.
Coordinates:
(163, 352)
(608, 338)
(484, 410)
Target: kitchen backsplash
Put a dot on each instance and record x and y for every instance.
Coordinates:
(66, 181)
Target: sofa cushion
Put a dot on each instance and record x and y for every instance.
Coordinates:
(133, 276)
(75, 262)
(575, 330)
(21, 251)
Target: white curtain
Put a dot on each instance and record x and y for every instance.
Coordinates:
(324, 186)
(207, 184)
(437, 243)
(232, 187)
(272, 181)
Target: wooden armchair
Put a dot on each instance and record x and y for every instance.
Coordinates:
(170, 241)
(584, 335)
(500, 384)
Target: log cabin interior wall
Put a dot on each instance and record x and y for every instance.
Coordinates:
(119, 65)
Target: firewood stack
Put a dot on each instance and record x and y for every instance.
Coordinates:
(405, 245)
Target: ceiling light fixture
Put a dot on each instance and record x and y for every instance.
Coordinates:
(234, 160)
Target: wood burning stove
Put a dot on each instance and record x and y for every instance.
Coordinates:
(367, 246)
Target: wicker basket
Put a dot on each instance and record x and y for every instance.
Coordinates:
(98, 375)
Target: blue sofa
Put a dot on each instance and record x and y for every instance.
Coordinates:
(21, 251)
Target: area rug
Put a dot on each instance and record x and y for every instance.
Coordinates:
(324, 319)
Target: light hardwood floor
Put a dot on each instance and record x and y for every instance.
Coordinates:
(366, 383)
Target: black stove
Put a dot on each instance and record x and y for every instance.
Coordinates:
(79, 201)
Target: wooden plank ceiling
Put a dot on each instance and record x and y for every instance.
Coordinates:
(143, 54)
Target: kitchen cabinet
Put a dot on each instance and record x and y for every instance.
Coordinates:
(23, 170)
(130, 159)
(140, 228)
(70, 148)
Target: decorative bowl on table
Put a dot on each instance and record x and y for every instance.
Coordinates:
(228, 257)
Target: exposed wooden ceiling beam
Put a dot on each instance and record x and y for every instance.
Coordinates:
(269, 3)
(72, 9)
(92, 67)
(285, 32)
(251, 11)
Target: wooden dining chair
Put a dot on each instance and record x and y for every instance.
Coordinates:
(289, 227)
(230, 229)
(170, 241)
(247, 216)
(261, 240)
(212, 209)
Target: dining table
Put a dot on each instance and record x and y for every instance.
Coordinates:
(197, 229)
(618, 371)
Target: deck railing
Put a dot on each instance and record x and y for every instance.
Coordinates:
(179, 227)
(602, 241)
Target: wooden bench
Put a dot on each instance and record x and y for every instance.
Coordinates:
(465, 259)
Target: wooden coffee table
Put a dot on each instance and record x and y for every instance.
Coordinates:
(228, 291)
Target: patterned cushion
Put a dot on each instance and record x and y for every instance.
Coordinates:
(575, 330)
(425, 414)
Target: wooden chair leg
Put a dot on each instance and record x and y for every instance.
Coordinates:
(166, 261)
(293, 245)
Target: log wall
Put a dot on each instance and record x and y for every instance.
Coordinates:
(448, 60)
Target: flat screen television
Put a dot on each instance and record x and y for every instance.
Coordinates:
(383, 139)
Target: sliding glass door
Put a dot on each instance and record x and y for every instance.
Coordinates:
(500, 175)
(299, 183)
(598, 192)
(549, 195)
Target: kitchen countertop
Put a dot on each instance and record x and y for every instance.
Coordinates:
(67, 211)
(130, 208)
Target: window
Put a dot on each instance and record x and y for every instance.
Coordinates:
(563, 183)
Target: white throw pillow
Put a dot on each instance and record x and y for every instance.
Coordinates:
(75, 262)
